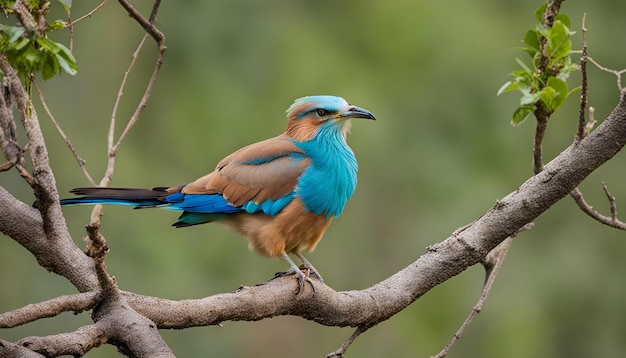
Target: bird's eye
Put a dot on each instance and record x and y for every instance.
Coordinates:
(322, 112)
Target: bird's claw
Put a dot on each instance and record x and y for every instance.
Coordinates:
(311, 271)
(301, 276)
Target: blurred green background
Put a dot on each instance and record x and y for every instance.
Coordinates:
(441, 153)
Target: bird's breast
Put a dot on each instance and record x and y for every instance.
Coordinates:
(330, 180)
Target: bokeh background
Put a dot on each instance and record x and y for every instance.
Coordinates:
(441, 153)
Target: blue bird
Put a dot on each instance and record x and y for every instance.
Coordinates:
(281, 194)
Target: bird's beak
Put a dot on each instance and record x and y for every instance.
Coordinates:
(356, 112)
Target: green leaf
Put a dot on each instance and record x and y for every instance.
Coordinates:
(67, 4)
(539, 12)
(574, 90)
(66, 60)
(508, 86)
(21, 44)
(15, 33)
(30, 56)
(530, 51)
(564, 19)
(57, 25)
(530, 98)
(526, 68)
(532, 39)
(61, 58)
(521, 113)
(559, 44)
(48, 45)
(48, 66)
(525, 82)
(554, 94)
(548, 95)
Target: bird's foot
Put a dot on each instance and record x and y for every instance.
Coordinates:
(312, 271)
(301, 276)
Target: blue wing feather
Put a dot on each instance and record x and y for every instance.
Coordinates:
(200, 203)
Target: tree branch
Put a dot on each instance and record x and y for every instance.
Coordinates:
(8, 349)
(47, 238)
(76, 303)
(442, 261)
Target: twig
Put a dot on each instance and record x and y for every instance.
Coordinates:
(339, 353)
(148, 25)
(592, 120)
(543, 117)
(542, 114)
(611, 221)
(89, 14)
(617, 74)
(71, 23)
(81, 161)
(111, 145)
(492, 264)
(584, 129)
(584, 89)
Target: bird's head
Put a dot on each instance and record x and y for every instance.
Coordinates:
(308, 114)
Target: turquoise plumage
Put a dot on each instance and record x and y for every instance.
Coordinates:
(280, 194)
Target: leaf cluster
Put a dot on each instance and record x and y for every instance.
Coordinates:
(545, 79)
(30, 50)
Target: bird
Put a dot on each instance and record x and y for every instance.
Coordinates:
(280, 194)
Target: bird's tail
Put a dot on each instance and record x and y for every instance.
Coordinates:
(135, 197)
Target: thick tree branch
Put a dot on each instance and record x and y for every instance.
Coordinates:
(48, 239)
(442, 261)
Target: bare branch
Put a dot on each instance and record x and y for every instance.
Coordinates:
(542, 114)
(158, 36)
(592, 120)
(492, 263)
(71, 23)
(76, 343)
(147, 24)
(76, 303)
(618, 74)
(89, 14)
(79, 160)
(113, 147)
(611, 221)
(584, 129)
(580, 134)
(339, 353)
